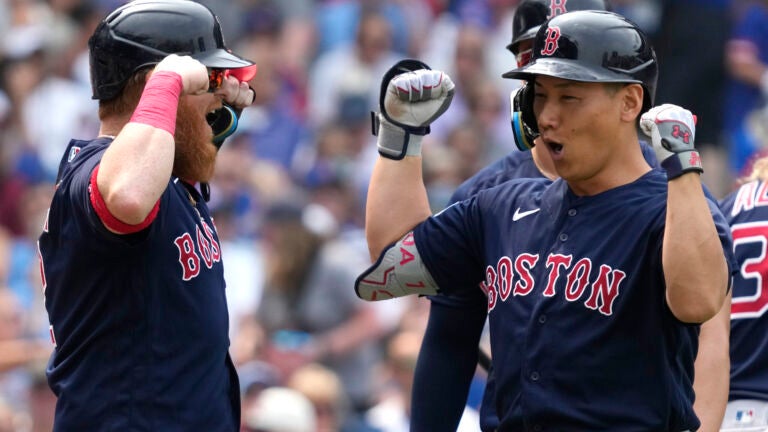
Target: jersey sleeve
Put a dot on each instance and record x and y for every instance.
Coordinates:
(77, 185)
(78, 189)
(106, 217)
(726, 239)
(449, 244)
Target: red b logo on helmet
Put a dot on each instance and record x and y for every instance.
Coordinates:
(557, 7)
(550, 43)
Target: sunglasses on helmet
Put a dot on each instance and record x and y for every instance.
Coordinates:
(217, 76)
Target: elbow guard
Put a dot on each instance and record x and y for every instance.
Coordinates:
(398, 272)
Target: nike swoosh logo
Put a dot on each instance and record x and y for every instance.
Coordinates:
(519, 215)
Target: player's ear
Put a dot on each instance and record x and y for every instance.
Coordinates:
(631, 101)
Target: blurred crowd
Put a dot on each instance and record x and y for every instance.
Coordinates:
(288, 196)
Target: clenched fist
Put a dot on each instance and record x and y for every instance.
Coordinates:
(672, 130)
(194, 75)
(411, 102)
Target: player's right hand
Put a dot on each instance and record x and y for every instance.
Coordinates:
(194, 75)
(418, 98)
(410, 103)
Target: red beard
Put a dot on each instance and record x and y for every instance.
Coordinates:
(195, 156)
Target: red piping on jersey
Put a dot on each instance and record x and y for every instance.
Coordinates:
(109, 220)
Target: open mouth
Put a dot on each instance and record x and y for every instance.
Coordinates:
(554, 147)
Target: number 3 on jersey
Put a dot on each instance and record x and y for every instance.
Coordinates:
(750, 287)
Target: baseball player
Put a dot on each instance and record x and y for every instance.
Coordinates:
(456, 322)
(746, 212)
(594, 282)
(130, 259)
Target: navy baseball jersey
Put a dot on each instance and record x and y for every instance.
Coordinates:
(139, 321)
(515, 165)
(746, 210)
(576, 302)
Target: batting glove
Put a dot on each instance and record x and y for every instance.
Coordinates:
(672, 130)
(411, 102)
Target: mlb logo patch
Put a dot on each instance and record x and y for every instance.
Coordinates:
(745, 416)
(72, 153)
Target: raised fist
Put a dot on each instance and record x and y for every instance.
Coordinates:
(418, 98)
(194, 75)
(672, 130)
(410, 102)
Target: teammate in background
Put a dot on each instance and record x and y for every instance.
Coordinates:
(456, 322)
(610, 244)
(130, 259)
(746, 211)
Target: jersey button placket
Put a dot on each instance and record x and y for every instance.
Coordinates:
(563, 237)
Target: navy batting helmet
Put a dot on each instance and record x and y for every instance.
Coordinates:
(530, 14)
(143, 32)
(593, 46)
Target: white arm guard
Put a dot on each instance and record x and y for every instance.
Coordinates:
(398, 272)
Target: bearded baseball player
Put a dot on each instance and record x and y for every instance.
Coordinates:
(594, 282)
(456, 322)
(130, 259)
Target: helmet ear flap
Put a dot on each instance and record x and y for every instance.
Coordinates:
(524, 127)
(526, 107)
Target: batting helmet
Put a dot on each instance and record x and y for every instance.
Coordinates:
(143, 32)
(593, 46)
(530, 14)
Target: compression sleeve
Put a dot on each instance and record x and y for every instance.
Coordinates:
(445, 367)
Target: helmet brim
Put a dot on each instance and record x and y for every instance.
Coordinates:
(565, 69)
(244, 74)
(223, 59)
(529, 34)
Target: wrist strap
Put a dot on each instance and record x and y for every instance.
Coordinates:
(394, 142)
(159, 101)
(681, 163)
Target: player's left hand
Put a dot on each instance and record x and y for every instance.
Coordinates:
(235, 93)
(672, 130)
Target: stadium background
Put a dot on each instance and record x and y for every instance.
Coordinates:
(288, 197)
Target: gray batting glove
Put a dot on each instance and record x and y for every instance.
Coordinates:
(414, 100)
(672, 130)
